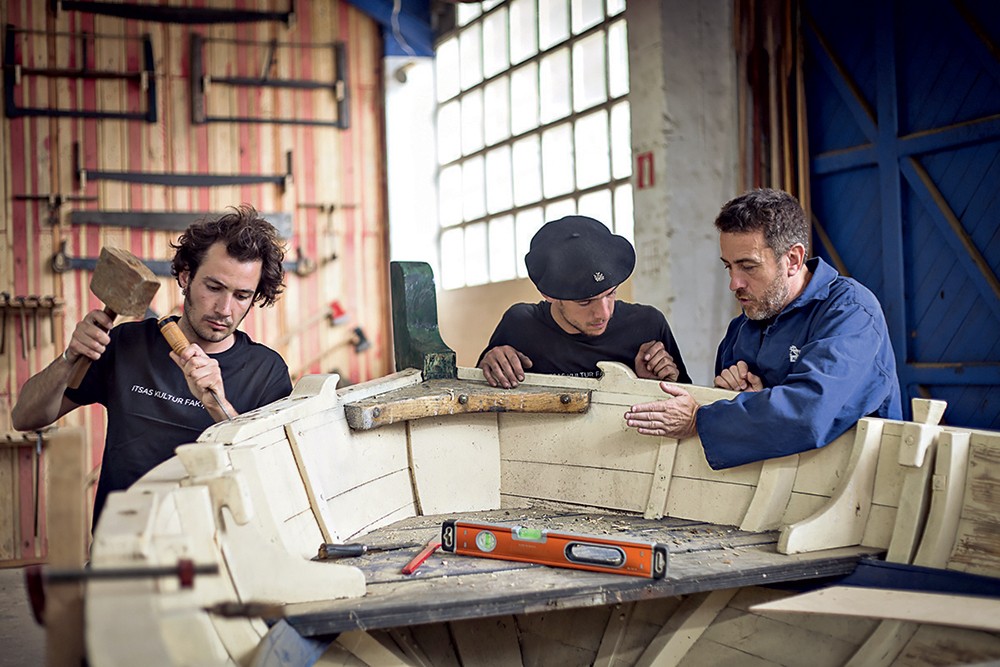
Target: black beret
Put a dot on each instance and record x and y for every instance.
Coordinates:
(577, 257)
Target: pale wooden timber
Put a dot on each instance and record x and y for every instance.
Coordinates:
(684, 628)
(435, 398)
(963, 611)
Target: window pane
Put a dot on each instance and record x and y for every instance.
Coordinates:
(587, 13)
(621, 141)
(446, 69)
(624, 216)
(498, 179)
(503, 252)
(588, 72)
(526, 224)
(554, 86)
(557, 160)
(477, 270)
(560, 209)
(615, 7)
(452, 258)
(450, 195)
(473, 197)
(598, 206)
(466, 11)
(523, 30)
(449, 143)
(528, 167)
(471, 47)
(593, 158)
(497, 109)
(472, 121)
(553, 22)
(495, 42)
(524, 99)
(618, 59)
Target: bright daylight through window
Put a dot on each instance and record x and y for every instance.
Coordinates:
(532, 124)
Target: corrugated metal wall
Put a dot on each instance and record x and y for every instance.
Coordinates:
(332, 168)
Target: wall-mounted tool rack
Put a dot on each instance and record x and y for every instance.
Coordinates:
(169, 14)
(15, 72)
(176, 179)
(172, 221)
(202, 81)
(62, 262)
(55, 201)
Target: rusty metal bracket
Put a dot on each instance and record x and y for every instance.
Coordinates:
(14, 72)
(201, 81)
(179, 180)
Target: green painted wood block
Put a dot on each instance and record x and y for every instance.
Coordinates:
(416, 340)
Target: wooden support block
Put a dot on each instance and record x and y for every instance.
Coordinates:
(449, 397)
(664, 470)
(842, 521)
(770, 498)
(947, 491)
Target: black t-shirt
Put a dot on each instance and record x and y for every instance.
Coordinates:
(530, 329)
(150, 409)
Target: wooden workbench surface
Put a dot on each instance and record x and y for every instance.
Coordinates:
(449, 587)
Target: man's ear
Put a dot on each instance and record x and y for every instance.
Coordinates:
(548, 298)
(182, 279)
(796, 259)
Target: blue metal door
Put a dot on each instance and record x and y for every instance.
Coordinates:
(903, 104)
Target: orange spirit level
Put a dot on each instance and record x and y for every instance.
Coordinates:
(532, 545)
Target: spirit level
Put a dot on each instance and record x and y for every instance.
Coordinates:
(532, 545)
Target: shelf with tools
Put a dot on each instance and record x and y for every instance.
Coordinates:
(27, 310)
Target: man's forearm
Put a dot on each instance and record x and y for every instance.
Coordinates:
(40, 401)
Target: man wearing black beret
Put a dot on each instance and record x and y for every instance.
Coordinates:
(577, 264)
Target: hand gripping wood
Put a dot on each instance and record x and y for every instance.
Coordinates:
(125, 285)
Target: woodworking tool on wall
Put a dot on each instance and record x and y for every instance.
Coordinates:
(36, 578)
(336, 551)
(18, 302)
(4, 307)
(32, 302)
(125, 286)
(558, 549)
(178, 343)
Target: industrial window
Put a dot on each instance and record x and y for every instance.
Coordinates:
(532, 124)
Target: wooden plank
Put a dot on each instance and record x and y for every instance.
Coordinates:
(947, 491)
(595, 487)
(370, 652)
(934, 645)
(490, 642)
(313, 490)
(964, 611)
(613, 635)
(684, 628)
(884, 645)
(977, 540)
(67, 548)
(662, 472)
(455, 463)
(449, 397)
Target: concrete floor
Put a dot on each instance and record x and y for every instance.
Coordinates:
(22, 639)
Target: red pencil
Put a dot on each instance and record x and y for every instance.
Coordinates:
(424, 554)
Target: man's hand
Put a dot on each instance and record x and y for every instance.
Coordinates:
(90, 337)
(204, 380)
(653, 362)
(738, 378)
(674, 418)
(504, 366)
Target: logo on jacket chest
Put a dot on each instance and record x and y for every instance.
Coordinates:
(793, 353)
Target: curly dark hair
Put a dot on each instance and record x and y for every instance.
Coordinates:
(776, 212)
(248, 237)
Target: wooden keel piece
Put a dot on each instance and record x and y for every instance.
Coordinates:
(451, 397)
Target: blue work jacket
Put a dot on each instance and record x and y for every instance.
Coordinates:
(825, 361)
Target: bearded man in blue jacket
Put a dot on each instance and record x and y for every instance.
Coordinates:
(810, 355)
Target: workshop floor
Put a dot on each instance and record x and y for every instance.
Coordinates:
(22, 639)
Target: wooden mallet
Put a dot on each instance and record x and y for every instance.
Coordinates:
(125, 285)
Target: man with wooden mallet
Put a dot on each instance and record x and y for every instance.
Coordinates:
(156, 398)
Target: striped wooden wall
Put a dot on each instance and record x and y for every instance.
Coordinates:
(330, 166)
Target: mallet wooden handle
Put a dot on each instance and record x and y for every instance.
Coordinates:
(82, 363)
(178, 343)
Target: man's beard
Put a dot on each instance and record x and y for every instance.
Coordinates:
(769, 304)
